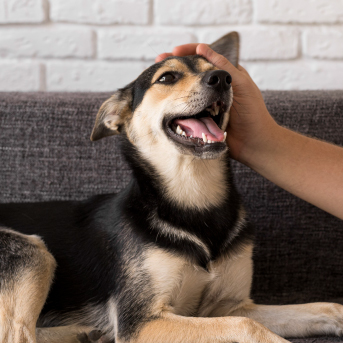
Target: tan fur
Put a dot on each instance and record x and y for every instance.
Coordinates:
(185, 289)
(22, 298)
(203, 66)
(231, 284)
(297, 320)
(177, 283)
(113, 113)
(177, 329)
(61, 334)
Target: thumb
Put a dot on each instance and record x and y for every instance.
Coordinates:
(218, 60)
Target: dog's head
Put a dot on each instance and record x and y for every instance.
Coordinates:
(180, 104)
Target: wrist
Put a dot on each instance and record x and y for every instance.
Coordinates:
(257, 153)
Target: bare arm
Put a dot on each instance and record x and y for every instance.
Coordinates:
(308, 168)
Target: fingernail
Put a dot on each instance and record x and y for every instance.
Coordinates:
(207, 51)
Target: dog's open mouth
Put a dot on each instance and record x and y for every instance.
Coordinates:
(200, 129)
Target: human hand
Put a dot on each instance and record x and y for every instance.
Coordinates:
(286, 158)
(250, 125)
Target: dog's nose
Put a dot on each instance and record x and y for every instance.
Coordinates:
(218, 79)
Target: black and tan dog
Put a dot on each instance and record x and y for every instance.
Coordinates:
(166, 260)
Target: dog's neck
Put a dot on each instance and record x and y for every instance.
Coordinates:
(178, 200)
(193, 183)
(189, 182)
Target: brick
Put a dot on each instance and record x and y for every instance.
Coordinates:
(22, 11)
(297, 11)
(3, 14)
(203, 12)
(46, 42)
(19, 76)
(90, 76)
(139, 43)
(323, 43)
(297, 75)
(260, 43)
(100, 11)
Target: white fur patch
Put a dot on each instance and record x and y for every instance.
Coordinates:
(185, 289)
(176, 234)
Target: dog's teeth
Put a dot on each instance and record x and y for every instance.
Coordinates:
(204, 138)
(209, 141)
(183, 133)
(209, 110)
(191, 136)
(216, 110)
(178, 130)
(225, 134)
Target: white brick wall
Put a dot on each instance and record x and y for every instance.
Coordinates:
(22, 11)
(100, 45)
(202, 12)
(18, 75)
(139, 44)
(299, 11)
(100, 11)
(90, 76)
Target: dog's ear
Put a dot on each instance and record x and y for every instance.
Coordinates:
(112, 114)
(228, 46)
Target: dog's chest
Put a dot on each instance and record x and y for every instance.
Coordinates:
(189, 290)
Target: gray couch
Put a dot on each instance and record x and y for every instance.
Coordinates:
(45, 154)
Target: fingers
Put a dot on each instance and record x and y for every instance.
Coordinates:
(185, 49)
(161, 57)
(204, 50)
(181, 50)
(218, 60)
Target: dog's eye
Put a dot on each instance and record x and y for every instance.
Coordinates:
(167, 78)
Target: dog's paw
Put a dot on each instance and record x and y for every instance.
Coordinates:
(334, 315)
(95, 336)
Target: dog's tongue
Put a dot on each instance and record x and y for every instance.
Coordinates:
(196, 127)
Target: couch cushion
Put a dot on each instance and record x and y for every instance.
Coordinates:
(46, 154)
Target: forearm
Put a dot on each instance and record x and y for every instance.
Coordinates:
(308, 168)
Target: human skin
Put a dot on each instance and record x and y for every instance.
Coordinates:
(306, 167)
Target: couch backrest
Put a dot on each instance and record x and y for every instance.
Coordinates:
(45, 154)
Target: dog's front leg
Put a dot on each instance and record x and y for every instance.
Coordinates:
(171, 328)
(297, 320)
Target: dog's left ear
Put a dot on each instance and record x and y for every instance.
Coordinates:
(228, 46)
(112, 114)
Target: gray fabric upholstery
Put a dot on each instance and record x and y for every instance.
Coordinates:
(46, 154)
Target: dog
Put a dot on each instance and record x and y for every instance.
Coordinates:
(168, 259)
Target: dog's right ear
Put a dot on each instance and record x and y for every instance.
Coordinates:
(113, 114)
(228, 46)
